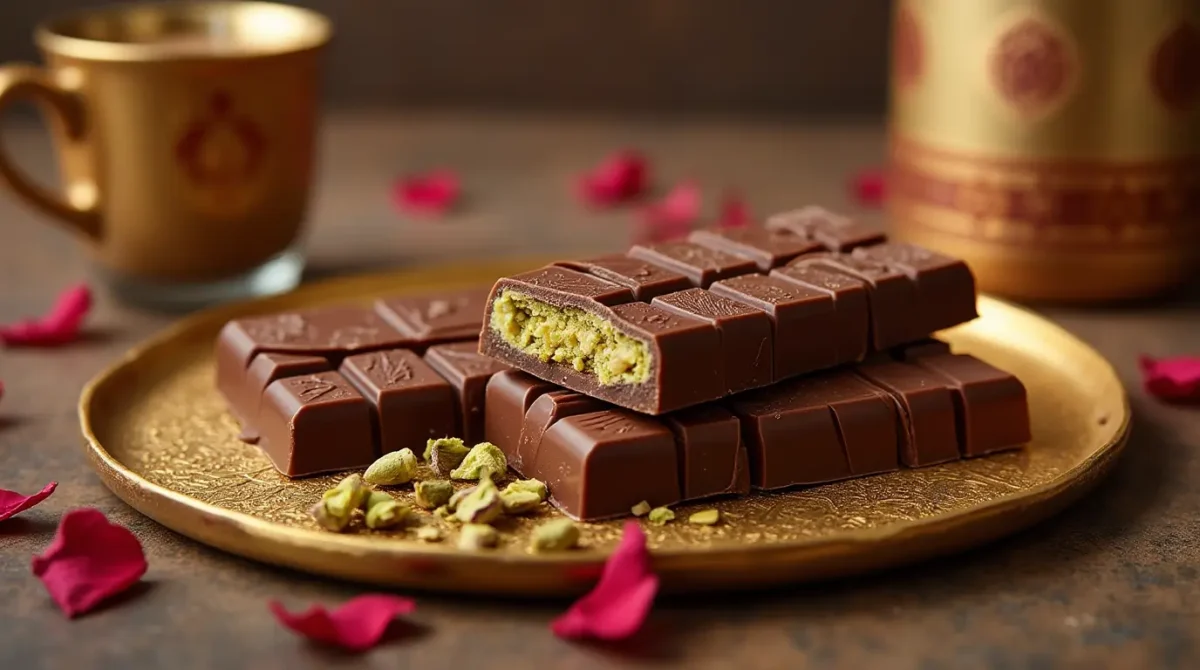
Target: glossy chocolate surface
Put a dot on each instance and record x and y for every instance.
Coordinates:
(316, 423)
(468, 371)
(410, 402)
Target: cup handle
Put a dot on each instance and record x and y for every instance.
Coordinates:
(65, 109)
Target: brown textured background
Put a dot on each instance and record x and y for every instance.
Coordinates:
(773, 56)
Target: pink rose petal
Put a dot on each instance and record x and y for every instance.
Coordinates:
(357, 625)
(672, 217)
(59, 326)
(735, 213)
(13, 503)
(619, 178)
(869, 187)
(1173, 379)
(618, 605)
(433, 193)
(90, 560)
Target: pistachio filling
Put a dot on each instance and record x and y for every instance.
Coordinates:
(570, 336)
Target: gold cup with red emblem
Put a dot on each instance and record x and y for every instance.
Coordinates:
(185, 133)
(1054, 144)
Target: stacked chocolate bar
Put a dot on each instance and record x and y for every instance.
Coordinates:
(758, 358)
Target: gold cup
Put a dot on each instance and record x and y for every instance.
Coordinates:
(185, 133)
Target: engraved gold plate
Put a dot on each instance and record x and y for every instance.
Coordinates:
(160, 438)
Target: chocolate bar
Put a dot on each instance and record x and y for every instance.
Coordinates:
(809, 292)
(858, 421)
(331, 389)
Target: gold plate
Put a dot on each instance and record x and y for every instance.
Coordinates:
(160, 438)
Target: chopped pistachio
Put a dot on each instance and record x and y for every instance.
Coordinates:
(641, 509)
(705, 517)
(556, 535)
(485, 460)
(429, 534)
(328, 520)
(445, 514)
(482, 505)
(530, 485)
(384, 511)
(433, 493)
(347, 496)
(660, 515)
(477, 536)
(519, 502)
(397, 467)
(445, 453)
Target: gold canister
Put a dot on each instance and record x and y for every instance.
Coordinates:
(1053, 144)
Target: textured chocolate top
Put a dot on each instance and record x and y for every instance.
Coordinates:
(436, 317)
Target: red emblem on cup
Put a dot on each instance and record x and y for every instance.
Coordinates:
(220, 147)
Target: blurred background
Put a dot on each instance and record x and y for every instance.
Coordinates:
(810, 57)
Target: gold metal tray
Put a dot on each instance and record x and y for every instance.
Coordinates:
(160, 438)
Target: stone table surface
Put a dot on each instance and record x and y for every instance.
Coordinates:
(1111, 582)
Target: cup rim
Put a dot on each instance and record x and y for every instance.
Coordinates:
(51, 34)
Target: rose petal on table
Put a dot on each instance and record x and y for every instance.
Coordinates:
(13, 503)
(619, 178)
(59, 326)
(358, 624)
(89, 561)
(670, 218)
(1174, 379)
(735, 213)
(869, 187)
(618, 605)
(431, 193)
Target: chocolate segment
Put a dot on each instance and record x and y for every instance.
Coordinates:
(892, 296)
(990, 404)
(791, 436)
(747, 344)
(562, 286)
(468, 371)
(438, 317)
(851, 334)
(587, 462)
(646, 280)
(866, 421)
(712, 458)
(928, 433)
(945, 286)
(833, 231)
(245, 397)
(768, 248)
(802, 319)
(914, 350)
(315, 423)
(410, 402)
(701, 265)
(510, 394)
(544, 413)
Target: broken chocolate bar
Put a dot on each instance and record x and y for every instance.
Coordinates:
(407, 399)
(926, 407)
(587, 326)
(992, 410)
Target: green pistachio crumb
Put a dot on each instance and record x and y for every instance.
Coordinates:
(706, 517)
(328, 520)
(527, 485)
(485, 460)
(519, 502)
(397, 467)
(446, 514)
(482, 505)
(660, 516)
(556, 535)
(429, 534)
(445, 453)
(475, 536)
(384, 511)
(641, 509)
(350, 494)
(457, 496)
(433, 493)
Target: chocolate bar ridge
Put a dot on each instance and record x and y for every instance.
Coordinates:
(817, 289)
